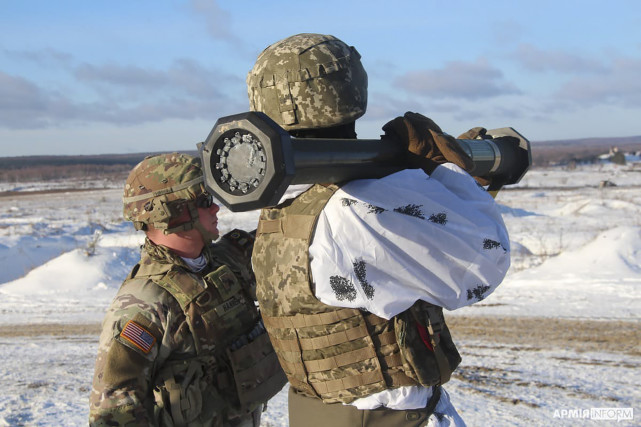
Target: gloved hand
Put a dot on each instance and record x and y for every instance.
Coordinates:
(426, 143)
(474, 133)
(481, 133)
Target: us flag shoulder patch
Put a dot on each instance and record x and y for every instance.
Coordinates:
(138, 336)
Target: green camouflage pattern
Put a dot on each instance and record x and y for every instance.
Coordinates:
(308, 81)
(284, 291)
(185, 378)
(156, 182)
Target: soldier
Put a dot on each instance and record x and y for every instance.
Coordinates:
(182, 342)
(352, 278)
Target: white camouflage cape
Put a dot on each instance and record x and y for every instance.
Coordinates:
(382, 244)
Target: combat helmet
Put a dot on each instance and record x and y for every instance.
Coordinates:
(308, 81)
(160, 188)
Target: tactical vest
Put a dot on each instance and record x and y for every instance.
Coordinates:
(338, 354)
(227, 377)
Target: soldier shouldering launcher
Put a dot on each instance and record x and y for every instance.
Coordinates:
(352, 278)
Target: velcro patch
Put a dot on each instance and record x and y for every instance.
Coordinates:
(229, 305)
(138, 336)
(241, 240)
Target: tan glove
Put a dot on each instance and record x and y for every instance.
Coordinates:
(426, 143)
(474, 133)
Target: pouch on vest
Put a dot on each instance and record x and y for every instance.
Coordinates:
(230, 291)
(432, 357)
(185, 395)
(232, 314)
(225, 281)
(257, 372)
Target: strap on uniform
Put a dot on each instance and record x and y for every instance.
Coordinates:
(269, 226)
(435, 322)
(292, 226)
(286, 105)
(163, 191)
(303, 320)
(348, 382)
(335, 338)
(340, 360)
(175, 400)
(323, 341)
(433, 401)
(295, 370)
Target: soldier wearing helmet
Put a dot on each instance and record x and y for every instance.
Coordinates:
(181, 339)
(352, 278)
(309, 82)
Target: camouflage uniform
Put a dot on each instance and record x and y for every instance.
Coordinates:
(314, 86)
(179, 347)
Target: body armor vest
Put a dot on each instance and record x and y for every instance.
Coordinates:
(235, 368)
(338, 354)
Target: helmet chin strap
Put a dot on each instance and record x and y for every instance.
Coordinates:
(207, 235)
(194, 223)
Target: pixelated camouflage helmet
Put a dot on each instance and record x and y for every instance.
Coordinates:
(308, 81)
(157, 188)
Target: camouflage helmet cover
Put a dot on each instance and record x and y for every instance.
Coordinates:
(308, 81)
(155, 183)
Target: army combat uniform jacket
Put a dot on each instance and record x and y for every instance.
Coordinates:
(185, 348)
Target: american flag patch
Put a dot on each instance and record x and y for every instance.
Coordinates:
(138, 336)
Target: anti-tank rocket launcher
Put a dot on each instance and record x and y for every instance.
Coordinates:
(249, 160)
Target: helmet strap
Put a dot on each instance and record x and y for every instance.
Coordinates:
(208, 236)
(194, 223)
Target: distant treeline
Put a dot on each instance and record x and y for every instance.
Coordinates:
(546, 154)
(71, 171)
(47, 168)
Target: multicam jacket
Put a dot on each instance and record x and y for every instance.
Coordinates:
(184, 348)
(332, 353)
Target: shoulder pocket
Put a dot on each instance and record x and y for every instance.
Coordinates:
(140, 335)
(225, 281)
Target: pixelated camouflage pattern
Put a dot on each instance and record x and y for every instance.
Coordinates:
(156, 177)
(280, 265)
(308, 81)
(284, 291)
(194, 319)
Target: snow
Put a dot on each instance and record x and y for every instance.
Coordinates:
(576, 257)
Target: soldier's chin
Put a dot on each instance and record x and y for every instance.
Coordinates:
(211, 236)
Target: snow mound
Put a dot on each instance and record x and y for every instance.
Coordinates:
(75, 271)
(614, 255)
(601, 280)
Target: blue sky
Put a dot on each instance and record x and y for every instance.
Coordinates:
(94, 77)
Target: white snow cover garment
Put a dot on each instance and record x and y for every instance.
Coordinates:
(382, 244)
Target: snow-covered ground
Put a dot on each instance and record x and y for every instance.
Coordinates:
(577, 258)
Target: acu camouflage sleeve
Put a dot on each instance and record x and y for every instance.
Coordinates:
(127, 354)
